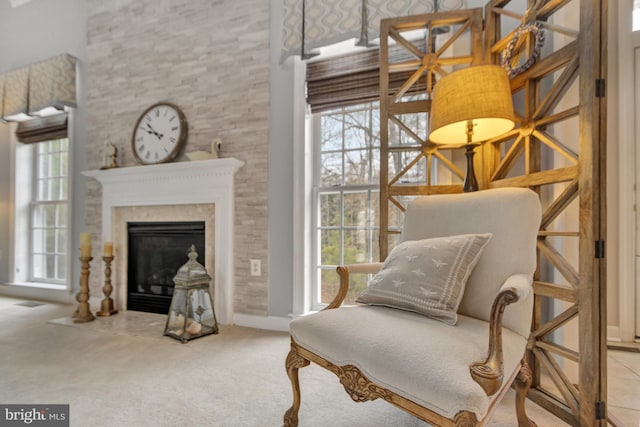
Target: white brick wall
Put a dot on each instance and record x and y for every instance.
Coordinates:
(211, 58)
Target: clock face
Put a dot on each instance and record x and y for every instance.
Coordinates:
(160, 134)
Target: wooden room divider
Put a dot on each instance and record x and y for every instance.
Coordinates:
(554, 53)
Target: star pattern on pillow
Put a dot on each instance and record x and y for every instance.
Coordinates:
(426, 292)
(411, 257)
(397, 283)
(438, 263)
(427, 276)
(419, 273)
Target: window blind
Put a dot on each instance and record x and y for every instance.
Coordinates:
(42, 129)
(354, 78)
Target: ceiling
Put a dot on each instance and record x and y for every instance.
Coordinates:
(17, 3)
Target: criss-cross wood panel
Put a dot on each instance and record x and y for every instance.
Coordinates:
(557, 149)
(434, 44)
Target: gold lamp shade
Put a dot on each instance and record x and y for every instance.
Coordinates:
(479, 96)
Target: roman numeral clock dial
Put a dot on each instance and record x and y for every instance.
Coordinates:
(160, 134)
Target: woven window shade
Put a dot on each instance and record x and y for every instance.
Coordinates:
(354, 79)
(42, 129)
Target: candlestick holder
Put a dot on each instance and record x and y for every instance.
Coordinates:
(83, 313)
(106, 306)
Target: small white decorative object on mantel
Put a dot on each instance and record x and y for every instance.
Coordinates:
(216, 143)
(110, 156)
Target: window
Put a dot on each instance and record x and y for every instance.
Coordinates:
(49, 212)
(342, 94)
(41, 194)
(636, 15)
(346, 190)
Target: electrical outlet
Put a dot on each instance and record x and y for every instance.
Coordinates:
(256, 269)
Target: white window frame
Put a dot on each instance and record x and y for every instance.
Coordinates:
(316, 300)
(22, 164)
(36, 202)
(302, 193)
(304, 227)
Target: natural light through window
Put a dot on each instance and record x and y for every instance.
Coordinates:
(636, 15)
(49, 212)
(347, 193)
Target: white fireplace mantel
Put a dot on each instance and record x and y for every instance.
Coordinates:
(197, 182)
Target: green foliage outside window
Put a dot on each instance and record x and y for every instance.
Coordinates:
(347, 187)
(49, 212)
(347, 195)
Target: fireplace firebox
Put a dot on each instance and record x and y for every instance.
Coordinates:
(156, 250)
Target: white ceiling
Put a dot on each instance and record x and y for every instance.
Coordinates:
(16, 3)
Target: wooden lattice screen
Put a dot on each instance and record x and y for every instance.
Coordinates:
(413, 161)
(557, 149)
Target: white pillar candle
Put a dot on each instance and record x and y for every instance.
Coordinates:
(108, 249)
(85, 244)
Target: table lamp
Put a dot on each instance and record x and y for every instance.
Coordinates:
(469, 106)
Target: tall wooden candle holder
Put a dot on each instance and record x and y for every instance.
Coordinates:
(106, 307)
(83, 313)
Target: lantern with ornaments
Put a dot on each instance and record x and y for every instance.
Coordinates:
(191, 314)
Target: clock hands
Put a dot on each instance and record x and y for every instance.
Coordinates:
(152, 131)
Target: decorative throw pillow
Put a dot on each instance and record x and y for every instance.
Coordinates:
(427, 276)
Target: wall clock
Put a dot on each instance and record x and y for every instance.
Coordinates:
(160, 134)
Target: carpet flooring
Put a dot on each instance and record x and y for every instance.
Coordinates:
(121, 371)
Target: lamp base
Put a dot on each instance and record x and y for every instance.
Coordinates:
(470, 182)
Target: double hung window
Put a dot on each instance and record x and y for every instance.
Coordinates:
(42, 200)
(346, 194)
(342, 93)
(49, 229)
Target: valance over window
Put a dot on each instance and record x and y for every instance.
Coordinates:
(52, 83)
(310, 24)
(16, 93)
(29, 90)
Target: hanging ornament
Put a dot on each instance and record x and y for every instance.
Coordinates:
(536, 30)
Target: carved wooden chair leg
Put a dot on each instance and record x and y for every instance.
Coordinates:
(523, 384)
(294, 362)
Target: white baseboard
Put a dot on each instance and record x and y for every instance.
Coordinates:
(262, 322)
(613, 334)
(37, 293)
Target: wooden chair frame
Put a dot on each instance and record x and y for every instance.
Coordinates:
(489, 374)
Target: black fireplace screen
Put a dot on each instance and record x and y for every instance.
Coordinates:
(156, 251)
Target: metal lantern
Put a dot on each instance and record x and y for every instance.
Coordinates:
(191, 312)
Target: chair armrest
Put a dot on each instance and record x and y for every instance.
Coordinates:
(344, 271)
(489, 374)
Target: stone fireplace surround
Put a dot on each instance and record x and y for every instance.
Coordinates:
(174, 191)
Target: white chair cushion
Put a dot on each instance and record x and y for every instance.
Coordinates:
(512, 216)
(427, 276)
(414, 356)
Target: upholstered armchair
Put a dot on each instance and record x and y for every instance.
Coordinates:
(441, 331)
